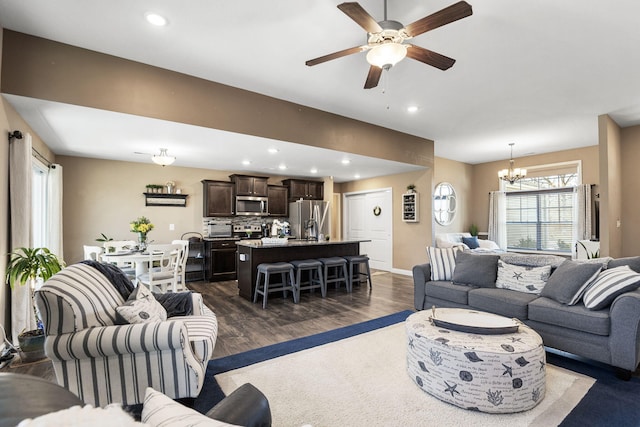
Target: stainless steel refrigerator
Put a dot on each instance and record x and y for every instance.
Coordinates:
(309, 219)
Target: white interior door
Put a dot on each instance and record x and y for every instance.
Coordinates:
(369, 216)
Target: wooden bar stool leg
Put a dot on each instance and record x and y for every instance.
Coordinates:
(265, 290)
(347, 279)
(323, 284)
(255, 293)
(295, 286)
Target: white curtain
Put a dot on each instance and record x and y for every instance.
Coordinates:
(582, 213)
(20, 170)
(498, 218)
(54, 210)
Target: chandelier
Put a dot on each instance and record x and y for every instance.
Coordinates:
(512, 174)
(163, 159)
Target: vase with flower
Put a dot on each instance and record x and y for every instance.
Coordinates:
(142, 226)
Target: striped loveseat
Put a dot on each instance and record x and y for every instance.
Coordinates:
(102, 362)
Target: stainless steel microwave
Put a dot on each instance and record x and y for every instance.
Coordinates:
(249, 205)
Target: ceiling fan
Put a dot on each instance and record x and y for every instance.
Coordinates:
(386, 39)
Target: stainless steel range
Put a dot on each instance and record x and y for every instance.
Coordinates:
(246, 231)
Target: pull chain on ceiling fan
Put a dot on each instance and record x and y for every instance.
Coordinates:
(386, 39)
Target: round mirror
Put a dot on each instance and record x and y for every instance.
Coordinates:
(444, 203)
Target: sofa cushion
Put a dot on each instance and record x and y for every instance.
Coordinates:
(142, 307)
(471, 242)
(443, 262)
(501, 301)
(633, 262)
(522, 278)
(608, 285)
(446, 290)
(567, 284)
(576, 317)
(476, 270)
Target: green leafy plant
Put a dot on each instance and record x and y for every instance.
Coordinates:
(473, 230)
(103, 238)
(411, 187)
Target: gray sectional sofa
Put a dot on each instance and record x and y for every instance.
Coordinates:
(609, 334)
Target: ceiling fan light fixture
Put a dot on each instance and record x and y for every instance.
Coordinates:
(386, 54)
(163, 159)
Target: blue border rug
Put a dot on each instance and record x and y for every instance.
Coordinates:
(610, 402)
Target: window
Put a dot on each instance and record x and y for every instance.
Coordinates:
(540, 214)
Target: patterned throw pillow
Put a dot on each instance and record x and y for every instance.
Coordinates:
(443, 262)
(521, 278)
(608, 285)
(142, 307)
(161, 410)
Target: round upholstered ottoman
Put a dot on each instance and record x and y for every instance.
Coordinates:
(495, 373)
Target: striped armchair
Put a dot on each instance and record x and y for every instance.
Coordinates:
(102, 362)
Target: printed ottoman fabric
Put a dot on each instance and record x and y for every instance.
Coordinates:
(502, 373)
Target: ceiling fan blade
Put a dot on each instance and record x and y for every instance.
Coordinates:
(373, 77)
(335, 55)
(429, 57)
(354, 11)
(445, 16)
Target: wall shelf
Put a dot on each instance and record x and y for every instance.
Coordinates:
(410, 207)
(159, 199)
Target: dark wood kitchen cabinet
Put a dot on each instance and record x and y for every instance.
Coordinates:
(217, 198)
(221, 260)
(278, 201)
(303, 189)
(250, 185)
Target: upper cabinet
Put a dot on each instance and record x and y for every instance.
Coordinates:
(278, 201)
(218, 198)
(250, 185)
(303, 189)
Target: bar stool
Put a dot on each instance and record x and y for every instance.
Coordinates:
(266, 270)
(339, 265)
(314, 267)
(356, 261)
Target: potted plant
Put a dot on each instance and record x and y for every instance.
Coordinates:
(411, 188)
(473, 230)
(26, 266)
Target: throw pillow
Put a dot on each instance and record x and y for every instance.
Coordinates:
(176, 304)
(472, 242)
(142, 307)
(608, 285)
(476, 270)
(443, 262)
(77, 416)
(569, 281)
(522, 278)
(632, 261)
(161, 410)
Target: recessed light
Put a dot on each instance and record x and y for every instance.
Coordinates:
(246, 162)
(356, 176)
(282, 167)
(313, 170)
(412, 109)
(346, 161)
(273, 150)
(155, 19)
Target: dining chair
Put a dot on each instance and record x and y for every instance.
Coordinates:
(93, 252)
(120, 246)
(163, 267)
(182, 263)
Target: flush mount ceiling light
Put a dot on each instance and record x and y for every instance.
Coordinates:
(273, 150)
(512, 174)
(412, 109)
(155, 19)
(163, 159)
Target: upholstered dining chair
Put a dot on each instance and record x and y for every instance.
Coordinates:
(102, 359)
(121, 246)
(93, 252)
(163, 267)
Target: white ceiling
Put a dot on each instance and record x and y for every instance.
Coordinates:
(534, 72)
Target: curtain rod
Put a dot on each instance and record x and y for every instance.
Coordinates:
(16, 134)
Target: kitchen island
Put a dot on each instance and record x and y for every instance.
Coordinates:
(251, 253)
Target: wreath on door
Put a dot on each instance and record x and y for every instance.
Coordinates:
(377, 210)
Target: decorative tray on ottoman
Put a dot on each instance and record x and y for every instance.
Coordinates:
(470, 321)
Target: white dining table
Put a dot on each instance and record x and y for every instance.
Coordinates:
(140, 260)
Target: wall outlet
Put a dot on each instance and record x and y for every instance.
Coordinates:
(172, 227)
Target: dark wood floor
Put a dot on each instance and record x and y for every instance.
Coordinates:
(244, 326)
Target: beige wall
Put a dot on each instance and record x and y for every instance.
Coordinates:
(485, 176)
(409, 239)
(630, 190)
(460, 176)
(610, 187)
